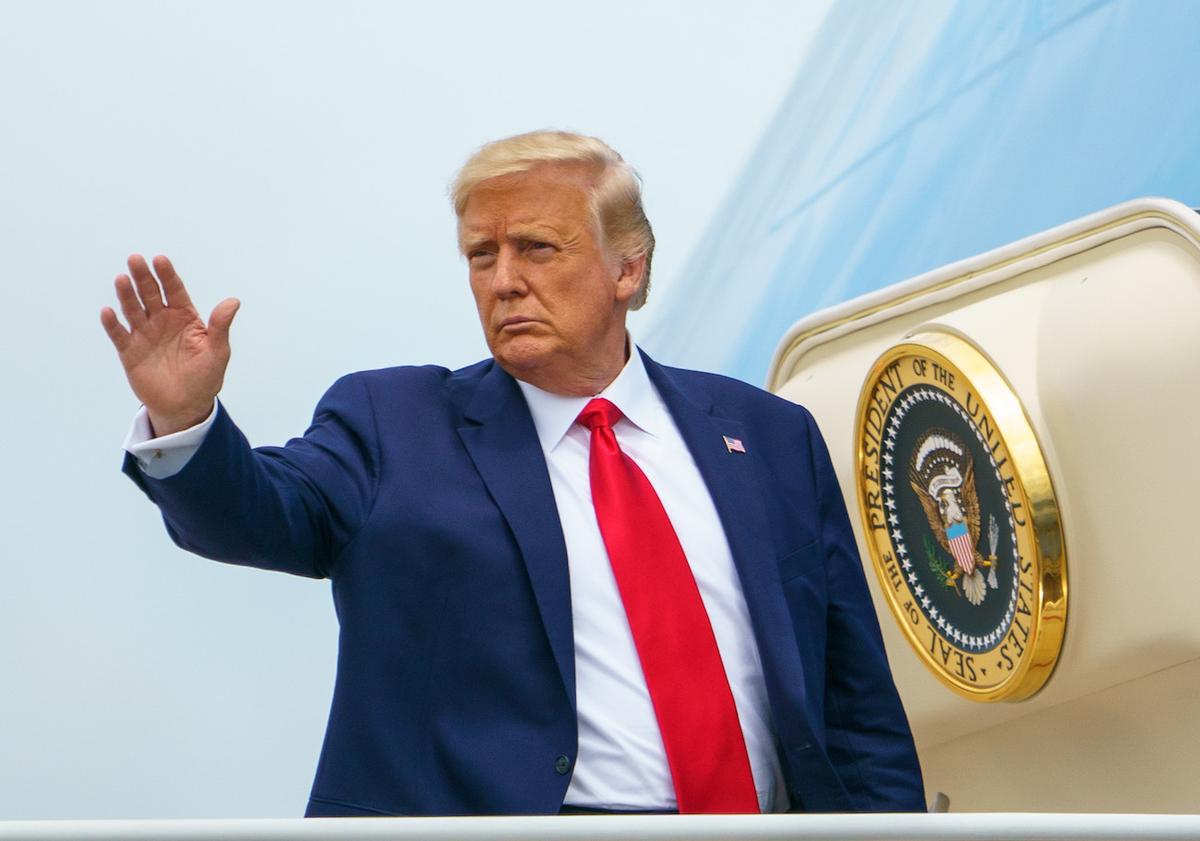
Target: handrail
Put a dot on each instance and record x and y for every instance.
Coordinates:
(889, 827)
(960, 278)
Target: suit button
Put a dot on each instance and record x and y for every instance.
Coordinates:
(562, 764)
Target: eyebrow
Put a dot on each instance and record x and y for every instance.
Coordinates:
(469, 243)
(519, 231)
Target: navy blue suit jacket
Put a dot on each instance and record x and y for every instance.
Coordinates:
(423, 495)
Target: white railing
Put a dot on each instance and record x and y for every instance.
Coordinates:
(958, 826)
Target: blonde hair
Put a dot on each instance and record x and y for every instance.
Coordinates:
(616, 197)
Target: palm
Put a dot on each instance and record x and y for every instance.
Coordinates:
(175, 362)
(171, 355)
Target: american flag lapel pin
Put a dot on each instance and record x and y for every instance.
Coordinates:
(734, 445)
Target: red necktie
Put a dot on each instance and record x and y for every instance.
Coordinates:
(688, 687)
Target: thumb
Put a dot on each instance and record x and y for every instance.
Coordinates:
(221, 319)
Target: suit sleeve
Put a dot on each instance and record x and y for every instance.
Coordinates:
(290, 508)
(868, 738)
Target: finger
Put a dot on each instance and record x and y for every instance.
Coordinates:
(173, 289)
(131, 307)
(118, 334)
(147, 286)
(221, 319)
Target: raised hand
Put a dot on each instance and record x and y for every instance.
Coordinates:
(175, 363)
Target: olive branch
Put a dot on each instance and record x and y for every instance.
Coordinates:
(936, 565)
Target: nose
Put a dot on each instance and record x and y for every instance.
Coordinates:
(507, 279)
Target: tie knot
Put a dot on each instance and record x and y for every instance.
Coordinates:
(599, 412)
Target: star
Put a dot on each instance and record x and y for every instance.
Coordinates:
(888, 458)
(896, 535)
(941, 622)
(887, 474)
(919, 589)
(912, 579)
(925, 602)
(907, 564)
(893, 519)
(887, 489)
(901, 550)
(890, 444)
(891, 504)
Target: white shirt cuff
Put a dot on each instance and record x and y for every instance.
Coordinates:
(162, 457)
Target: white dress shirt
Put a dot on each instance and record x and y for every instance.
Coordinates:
(166, 455)
(621, 763)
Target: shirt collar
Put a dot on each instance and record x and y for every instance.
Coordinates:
(631, 392)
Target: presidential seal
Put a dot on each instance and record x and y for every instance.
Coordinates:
(960, 518)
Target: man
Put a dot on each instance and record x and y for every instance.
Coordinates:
(568, 578)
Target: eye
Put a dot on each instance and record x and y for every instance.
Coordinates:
(539, 247)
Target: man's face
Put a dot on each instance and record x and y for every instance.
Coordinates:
(551, 299)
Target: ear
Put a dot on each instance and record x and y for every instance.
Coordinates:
(629, 281)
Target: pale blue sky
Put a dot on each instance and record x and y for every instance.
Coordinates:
(294, 154)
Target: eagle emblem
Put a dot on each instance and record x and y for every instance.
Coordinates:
(943, 475)
(946, 492)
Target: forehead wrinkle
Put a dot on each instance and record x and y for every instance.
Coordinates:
(524, 229)
(493, 219)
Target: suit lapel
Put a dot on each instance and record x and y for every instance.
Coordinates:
(737, 494)
(501, 439)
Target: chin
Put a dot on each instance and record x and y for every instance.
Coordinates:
(520, 355)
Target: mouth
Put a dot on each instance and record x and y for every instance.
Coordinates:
(516, 322)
